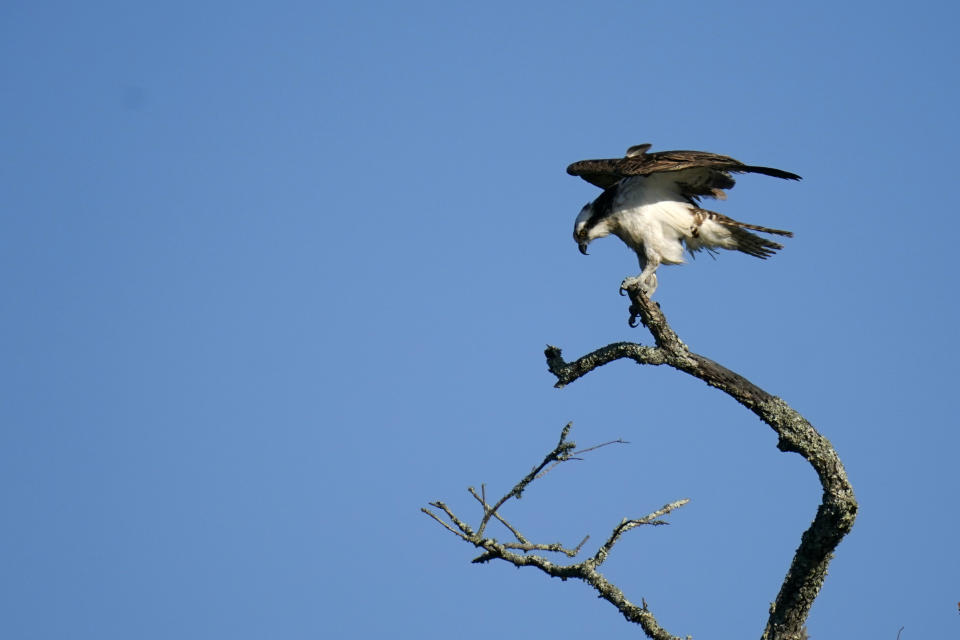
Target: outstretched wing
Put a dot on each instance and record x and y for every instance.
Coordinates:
(704, 173)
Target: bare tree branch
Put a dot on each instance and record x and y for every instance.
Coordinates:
(483, 501)
(626, 525)
(560, 453)
(585, 570)
(803, 581)
(573, 456)
(838, 508)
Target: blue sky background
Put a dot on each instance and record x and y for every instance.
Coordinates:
(277, 274)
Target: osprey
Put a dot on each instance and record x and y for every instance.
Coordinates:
(651, 201)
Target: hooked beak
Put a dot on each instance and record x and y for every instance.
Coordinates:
(583, 248)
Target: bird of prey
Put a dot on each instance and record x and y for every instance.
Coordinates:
(651, 201)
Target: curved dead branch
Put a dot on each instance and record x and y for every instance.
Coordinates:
(838, 507)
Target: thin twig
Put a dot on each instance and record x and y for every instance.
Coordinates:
(438, 519)
(598, 446)
(560, 452)
(650, 519)
(463, 526)
(483, 501)
(575, 456)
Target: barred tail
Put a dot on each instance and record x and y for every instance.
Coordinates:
(752, 244)
(747, 242)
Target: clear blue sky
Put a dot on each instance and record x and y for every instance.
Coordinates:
(277, 274)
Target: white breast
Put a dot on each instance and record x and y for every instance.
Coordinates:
(652, 215)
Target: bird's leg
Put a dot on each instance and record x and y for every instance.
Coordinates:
(647, 280)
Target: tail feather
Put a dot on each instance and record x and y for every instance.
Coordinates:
(743, 225)
(754, 245)
(747, 242)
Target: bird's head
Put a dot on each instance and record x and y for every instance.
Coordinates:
(581, 228)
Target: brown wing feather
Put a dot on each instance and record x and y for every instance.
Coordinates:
(605, 173)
